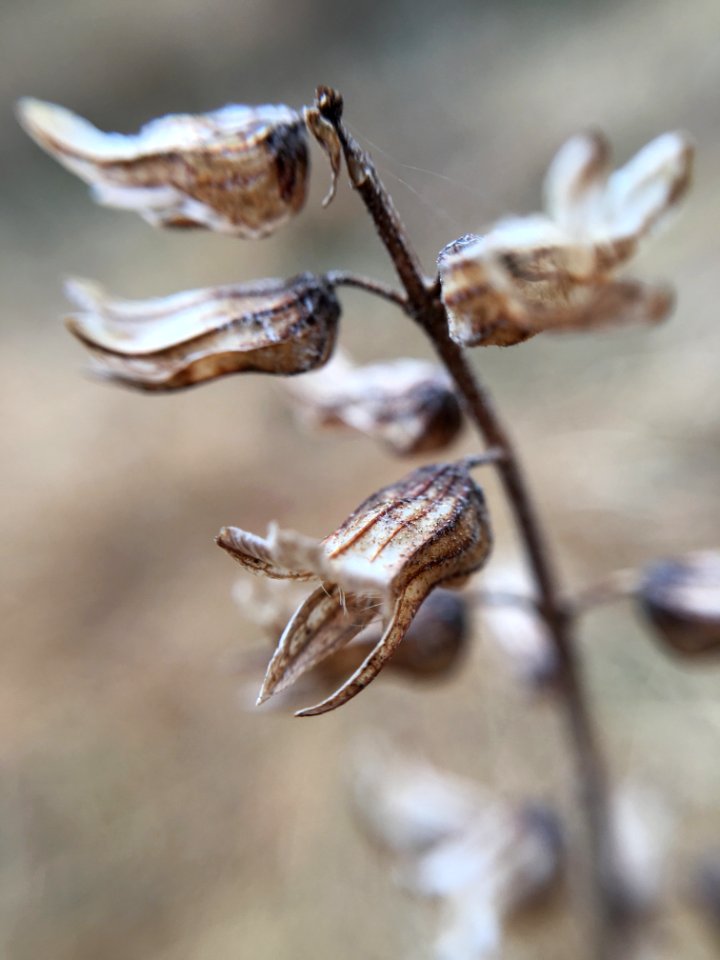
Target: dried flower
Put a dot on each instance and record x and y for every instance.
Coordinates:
(483, 858)
(681, 599)
(273, 326)
(239, 170)
(556, 270)
(408, 405)
(432, 648)
(429, 529)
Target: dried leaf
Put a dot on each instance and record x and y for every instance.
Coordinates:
(239, 170)
(275, 326)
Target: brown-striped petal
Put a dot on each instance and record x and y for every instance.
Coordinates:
(327, 620)
(405, 609)
(239, 170)
(276, 326)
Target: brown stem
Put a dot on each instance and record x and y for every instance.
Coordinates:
(344, 278)
(426, 308)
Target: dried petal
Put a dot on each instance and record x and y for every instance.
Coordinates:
(408, 405)
(275, 326)
(681, 599)
(327, 137)
(322, 624)
(555, 271)
(239, 170)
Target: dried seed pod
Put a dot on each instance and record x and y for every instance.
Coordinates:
(427, 530)
(239, 170)
(681, 599)
(555, 271)
(274, 326)
(484, 859)
(408, 405)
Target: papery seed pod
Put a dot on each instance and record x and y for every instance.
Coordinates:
(681, 599)
(429, 529)
(274, 326)
(482, 858)
(408, 405)
(239, 170)
(555, 271)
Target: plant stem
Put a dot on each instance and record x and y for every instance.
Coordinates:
(424, 304)
(344, 278)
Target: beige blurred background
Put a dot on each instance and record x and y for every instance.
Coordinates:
(145, 812)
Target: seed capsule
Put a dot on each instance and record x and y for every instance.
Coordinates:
(408, 405)
(430, 529)
(556, 270)
(681, 599)
(275, 326)
(239, 170)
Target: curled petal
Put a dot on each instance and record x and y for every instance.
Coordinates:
(405, 609)
(644, 191)
(408, 405)
(327, 137)
(271, 557)
(576, 179)
(322, 624)
(239, 170)
(281, 327)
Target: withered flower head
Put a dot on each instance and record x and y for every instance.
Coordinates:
(429, 529)
(681, 599)
(408, 405)
(273, 326)
(483, 858)
(557, 270)
(239, 170)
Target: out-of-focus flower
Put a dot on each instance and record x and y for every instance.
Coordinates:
(642, 828)
(483, 858)
(408, 405)
(681, 599)
(556, 271)
(239, 170)
(273, 326)
(430, 529)
(516, 628)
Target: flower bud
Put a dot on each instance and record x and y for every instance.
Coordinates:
(239, 170)
(274, 326)
(408, 405)
(681, 599)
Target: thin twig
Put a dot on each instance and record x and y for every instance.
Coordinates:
(344, 278)
(426, 308)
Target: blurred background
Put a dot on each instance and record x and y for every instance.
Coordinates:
(145, 811)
